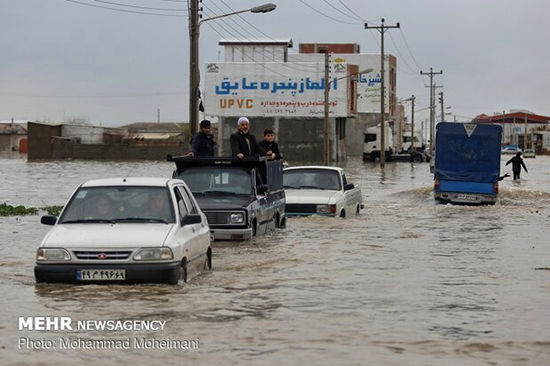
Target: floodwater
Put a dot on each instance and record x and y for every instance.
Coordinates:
(407, 282)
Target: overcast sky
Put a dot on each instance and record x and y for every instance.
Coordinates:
(62, 60)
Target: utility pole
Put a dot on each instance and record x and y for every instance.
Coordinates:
(441, 102)
(382, 28)
(158, 115)
(194, 65)
(326, 143)
(412, 122)
(432, 106)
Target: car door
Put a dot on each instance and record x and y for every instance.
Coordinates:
(186, 235)
(264, 207)
(349, 195)
(200, 230)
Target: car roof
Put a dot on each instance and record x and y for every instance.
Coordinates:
(320, 167)
(129, 181)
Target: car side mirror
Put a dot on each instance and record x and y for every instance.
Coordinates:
(48, 220)
(262, 188)
(191, 219)
(349, 186)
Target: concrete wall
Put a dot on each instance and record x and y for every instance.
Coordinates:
(302, 138)
(64, 149)
(5, 142)
(355, 128)
(40, 136)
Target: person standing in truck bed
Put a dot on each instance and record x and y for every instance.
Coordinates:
(243, 143)
(269, 145)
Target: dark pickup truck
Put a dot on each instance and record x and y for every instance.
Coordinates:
(241, 198)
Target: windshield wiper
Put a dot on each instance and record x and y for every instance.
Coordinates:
(82, 221)
(141, 219)
(220, 192)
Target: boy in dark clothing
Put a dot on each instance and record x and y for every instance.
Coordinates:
(243, 143)
(203, 141)
(269, 145)
(517, 163)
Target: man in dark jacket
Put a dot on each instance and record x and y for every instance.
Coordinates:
(203, 141)
(243, 143)
(517, 163)
(269, 146)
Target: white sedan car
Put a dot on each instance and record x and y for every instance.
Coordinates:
(126, 230)
(320, 190)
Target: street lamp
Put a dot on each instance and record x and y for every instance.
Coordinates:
(326, 143)
(194, 73)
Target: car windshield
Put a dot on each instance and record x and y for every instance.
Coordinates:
(119, 204)
(218, 180)
(312, 179)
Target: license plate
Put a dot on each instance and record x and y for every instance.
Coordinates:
(467, 197)
(100, 274)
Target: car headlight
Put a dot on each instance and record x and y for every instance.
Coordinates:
(237, 218)
(151, 254)
(57, 255)
(322, 208)
(326, 209)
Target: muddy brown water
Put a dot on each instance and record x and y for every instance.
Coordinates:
(407, 282)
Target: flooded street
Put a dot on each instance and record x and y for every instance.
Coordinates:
(407, 282)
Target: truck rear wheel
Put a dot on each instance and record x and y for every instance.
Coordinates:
(416, 158)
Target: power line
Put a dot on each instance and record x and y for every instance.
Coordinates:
(124, 10)
(402, 57)
(325, 15)
(272, 53)
(211, 25)
(408, 48)
(138, 7)
(213, 14)
(340, 11)
(358, 17)
(246, 21)
(302, 68)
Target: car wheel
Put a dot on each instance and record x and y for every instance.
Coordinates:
(343, 213)
(417, 158)
(254, 227)
(175, 276)
(357, 210)
(184, 269)
(208, 262)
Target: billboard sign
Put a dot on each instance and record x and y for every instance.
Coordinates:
(274, 89)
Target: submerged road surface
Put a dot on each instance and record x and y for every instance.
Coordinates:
(407, 282)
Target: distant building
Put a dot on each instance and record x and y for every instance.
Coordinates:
(261, 80)
(521, 127)
(140, 141)
(13, 136)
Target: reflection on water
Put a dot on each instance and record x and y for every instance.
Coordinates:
(408, 281)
